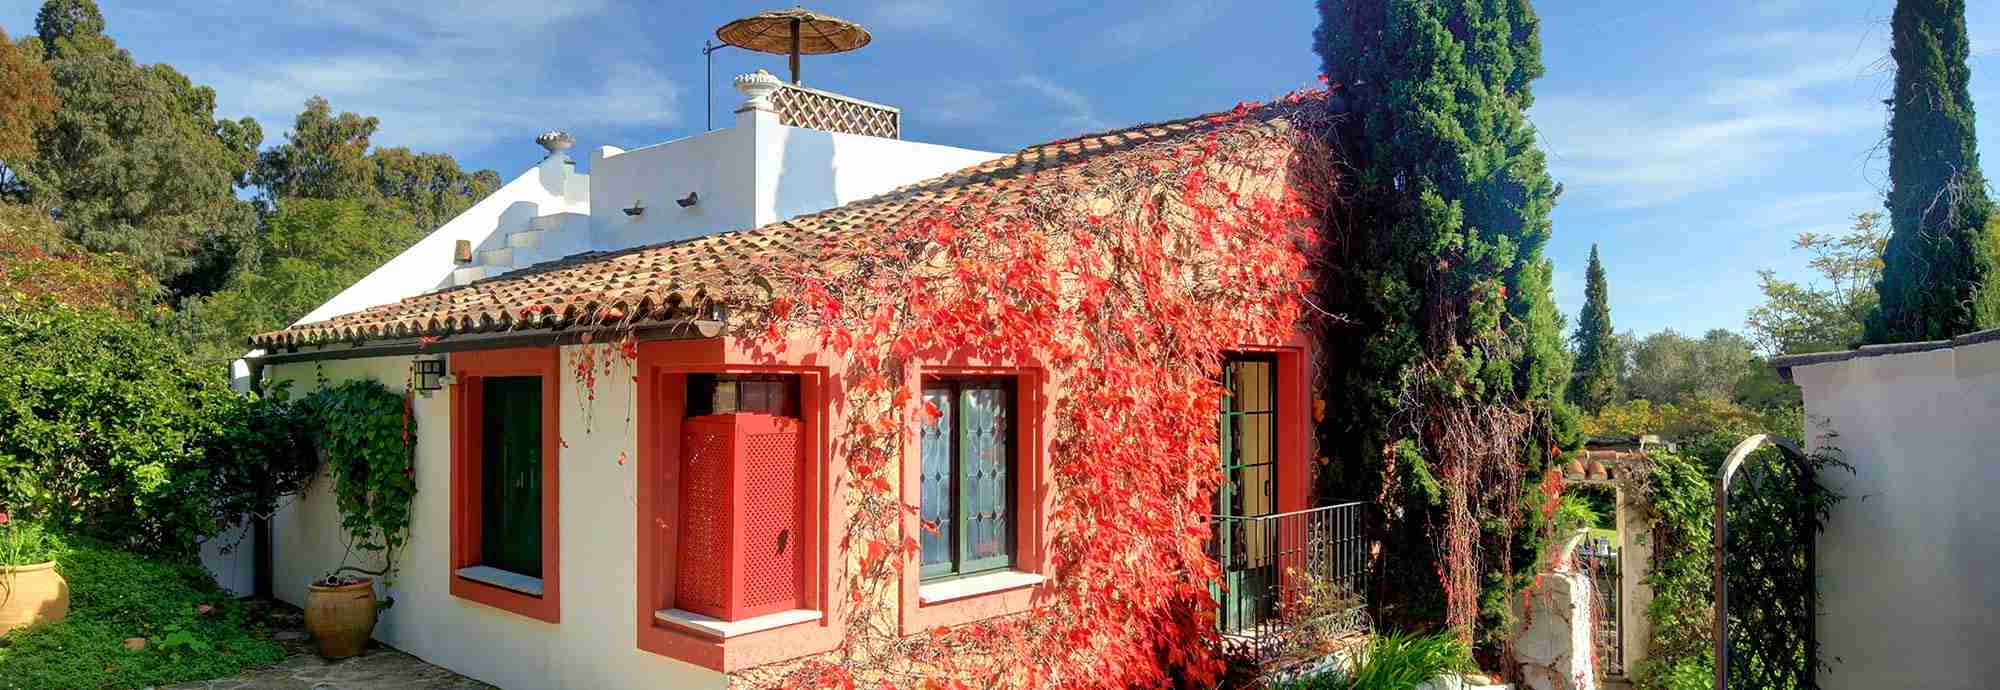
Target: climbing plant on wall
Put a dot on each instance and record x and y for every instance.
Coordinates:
(367, 436)
(1126, 285)
(1777, 511)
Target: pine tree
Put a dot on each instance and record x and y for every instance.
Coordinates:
(1595, 381)
(1436, 261)
(1937, 258)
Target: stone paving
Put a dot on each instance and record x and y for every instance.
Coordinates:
(380, 668)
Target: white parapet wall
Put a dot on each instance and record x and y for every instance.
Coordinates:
(1909, 566)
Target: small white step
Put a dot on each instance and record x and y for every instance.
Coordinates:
(525, 238)
(467, 274)
(497, 257)
(555, 221)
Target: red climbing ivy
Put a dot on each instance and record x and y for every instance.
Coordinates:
(1127, 283)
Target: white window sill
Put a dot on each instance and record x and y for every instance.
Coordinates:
(717, 627)
(517, 582)
(950, 590)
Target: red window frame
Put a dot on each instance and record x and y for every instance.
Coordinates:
(662, 397)
(1032, 490)
(467, 410)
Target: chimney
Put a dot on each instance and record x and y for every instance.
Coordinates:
(758, 87)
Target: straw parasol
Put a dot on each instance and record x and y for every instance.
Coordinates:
(794, 32)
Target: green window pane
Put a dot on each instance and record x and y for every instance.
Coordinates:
(511, 474)
(938, 480)
(983, 455)
(967, 478)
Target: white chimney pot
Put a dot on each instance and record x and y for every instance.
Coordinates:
(758, 86)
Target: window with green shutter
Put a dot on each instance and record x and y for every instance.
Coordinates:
(511, 475)
(967, 478)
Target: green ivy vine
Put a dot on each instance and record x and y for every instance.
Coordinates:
(366, 436)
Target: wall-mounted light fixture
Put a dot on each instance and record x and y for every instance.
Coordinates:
(637, 208)
(430, 375)
(688, 201)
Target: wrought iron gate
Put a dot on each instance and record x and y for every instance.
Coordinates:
(1598, 558)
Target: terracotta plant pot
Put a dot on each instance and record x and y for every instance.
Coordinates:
(341, 618)
(31, 593)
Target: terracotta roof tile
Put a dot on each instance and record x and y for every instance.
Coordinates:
(661, 281)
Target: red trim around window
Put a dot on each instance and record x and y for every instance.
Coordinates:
(1033, 491)
(1294, 421)
(467, 410)
(662, 380)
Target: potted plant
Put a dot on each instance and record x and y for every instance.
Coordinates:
(341, 613)
(366, 438)
(31, 590)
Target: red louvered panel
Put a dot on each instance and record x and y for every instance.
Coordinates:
(741, 522)
(700, 586)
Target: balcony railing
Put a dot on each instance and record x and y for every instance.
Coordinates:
(1294, 579)
(799, 106)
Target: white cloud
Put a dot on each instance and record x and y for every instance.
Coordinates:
(1154, 27)
(449, 18)
(1654, 148)
(438, 78)
(444, 102)
(1075, 111)
(922, 15)
(959, 103)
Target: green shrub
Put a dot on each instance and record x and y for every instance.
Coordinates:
(1396, 661)
(107, 429)
(116, 594)
(24, 543)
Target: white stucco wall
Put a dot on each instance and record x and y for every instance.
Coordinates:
(754, 173)
(232, 558)
(1909, 567)
(595, 644)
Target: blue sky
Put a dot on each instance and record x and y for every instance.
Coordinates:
(1694, 139)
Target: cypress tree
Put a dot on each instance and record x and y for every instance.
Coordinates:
(1436, 263)
(1596, 377)
(1937, 257)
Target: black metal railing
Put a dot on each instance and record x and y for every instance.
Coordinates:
(1291, 578)
(1598, 558)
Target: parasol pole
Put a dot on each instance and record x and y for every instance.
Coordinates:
(795, 50)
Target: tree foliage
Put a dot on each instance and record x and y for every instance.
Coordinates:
(1667, 367)
(133, 159)
(327, 156)
(38, 263)
(27, 103)
(1594, 383)
(106, 429)
(1816, 317)
(1937, 261)
(315, 248)
(1452, 365)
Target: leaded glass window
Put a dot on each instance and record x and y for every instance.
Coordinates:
(967, 478)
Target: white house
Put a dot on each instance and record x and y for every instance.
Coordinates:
(646, 565)
(765, 168)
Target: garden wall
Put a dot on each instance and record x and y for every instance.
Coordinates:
(594, 646)
(1907, 563)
